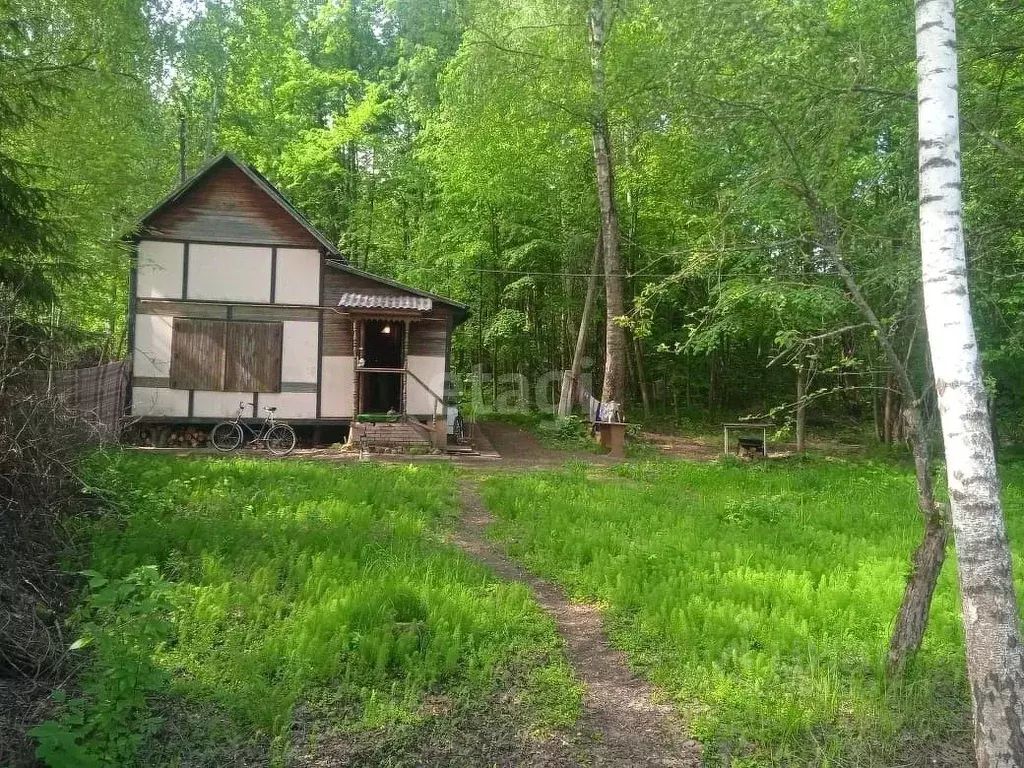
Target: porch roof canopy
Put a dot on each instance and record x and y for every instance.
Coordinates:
(356, 300)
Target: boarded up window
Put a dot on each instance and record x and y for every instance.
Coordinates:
(254, 357)
(197, 354)
(226, 356)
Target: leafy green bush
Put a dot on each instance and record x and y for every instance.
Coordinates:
(570, 433)
(123, 622)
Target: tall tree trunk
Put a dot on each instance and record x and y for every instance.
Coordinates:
(713, 381)
(995, 657)
(614, 387)
(876, 410)
(912, 617)
(182, 151)
(641, 375)
(801, 406)
(889, 412)
(369, 216)
(211, 120)
(570, 377)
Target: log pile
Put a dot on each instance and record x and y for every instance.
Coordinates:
(168, 436)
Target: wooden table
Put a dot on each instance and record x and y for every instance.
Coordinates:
(748, 426)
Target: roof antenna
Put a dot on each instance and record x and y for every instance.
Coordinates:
(181, 147)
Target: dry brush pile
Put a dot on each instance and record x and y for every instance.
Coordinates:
(41, 437)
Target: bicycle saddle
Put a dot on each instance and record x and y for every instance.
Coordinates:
(270, 408)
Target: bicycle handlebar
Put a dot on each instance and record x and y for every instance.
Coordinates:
(242, 404)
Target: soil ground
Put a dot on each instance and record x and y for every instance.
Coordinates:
(520, 447)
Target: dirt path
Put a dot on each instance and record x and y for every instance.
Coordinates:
(622, 725)
(680, 447)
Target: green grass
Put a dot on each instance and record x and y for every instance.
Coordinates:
(761, 598)
(293, 583)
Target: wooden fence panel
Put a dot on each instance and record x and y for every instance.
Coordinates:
(98, 394)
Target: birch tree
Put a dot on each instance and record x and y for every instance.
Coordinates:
(995, 661)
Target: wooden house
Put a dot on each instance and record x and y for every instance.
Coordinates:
(236, 297)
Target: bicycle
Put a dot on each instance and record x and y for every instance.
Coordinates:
(277, 436)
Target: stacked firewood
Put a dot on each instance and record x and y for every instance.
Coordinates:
(168, 436)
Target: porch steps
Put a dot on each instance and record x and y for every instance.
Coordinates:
(390, 435)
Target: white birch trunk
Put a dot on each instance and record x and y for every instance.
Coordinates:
(995, 661)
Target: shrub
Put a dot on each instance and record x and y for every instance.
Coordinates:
(122, 622)
(41, 440)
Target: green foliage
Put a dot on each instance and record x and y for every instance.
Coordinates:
(83, 151)
(448, 144)
(123, 625)
(760, 596)
(293, 581)
(568, 434)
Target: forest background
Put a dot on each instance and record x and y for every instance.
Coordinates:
(450, 144)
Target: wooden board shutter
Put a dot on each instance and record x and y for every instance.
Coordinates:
(197, 353)
(253, 362)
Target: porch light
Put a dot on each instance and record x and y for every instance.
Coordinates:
(386, 329)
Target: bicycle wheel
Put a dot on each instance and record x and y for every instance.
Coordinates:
(281, 440)
(226, 436)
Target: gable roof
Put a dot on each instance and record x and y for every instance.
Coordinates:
(334, 259)
(257, 178)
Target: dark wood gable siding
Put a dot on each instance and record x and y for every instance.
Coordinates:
(228, 207)
(337, 335)
(430, 335)
(337, 282)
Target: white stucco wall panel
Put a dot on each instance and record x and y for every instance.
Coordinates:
(290, 405)
(297, 279)
(160, 270)
(229, 273)
(155, 401)
(152, 354)
(338, 387)
(429, 370)
(220, 405)
(301, 346)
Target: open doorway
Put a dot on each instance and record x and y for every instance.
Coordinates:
(382, 344)
(381, 373)
(381, 393)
